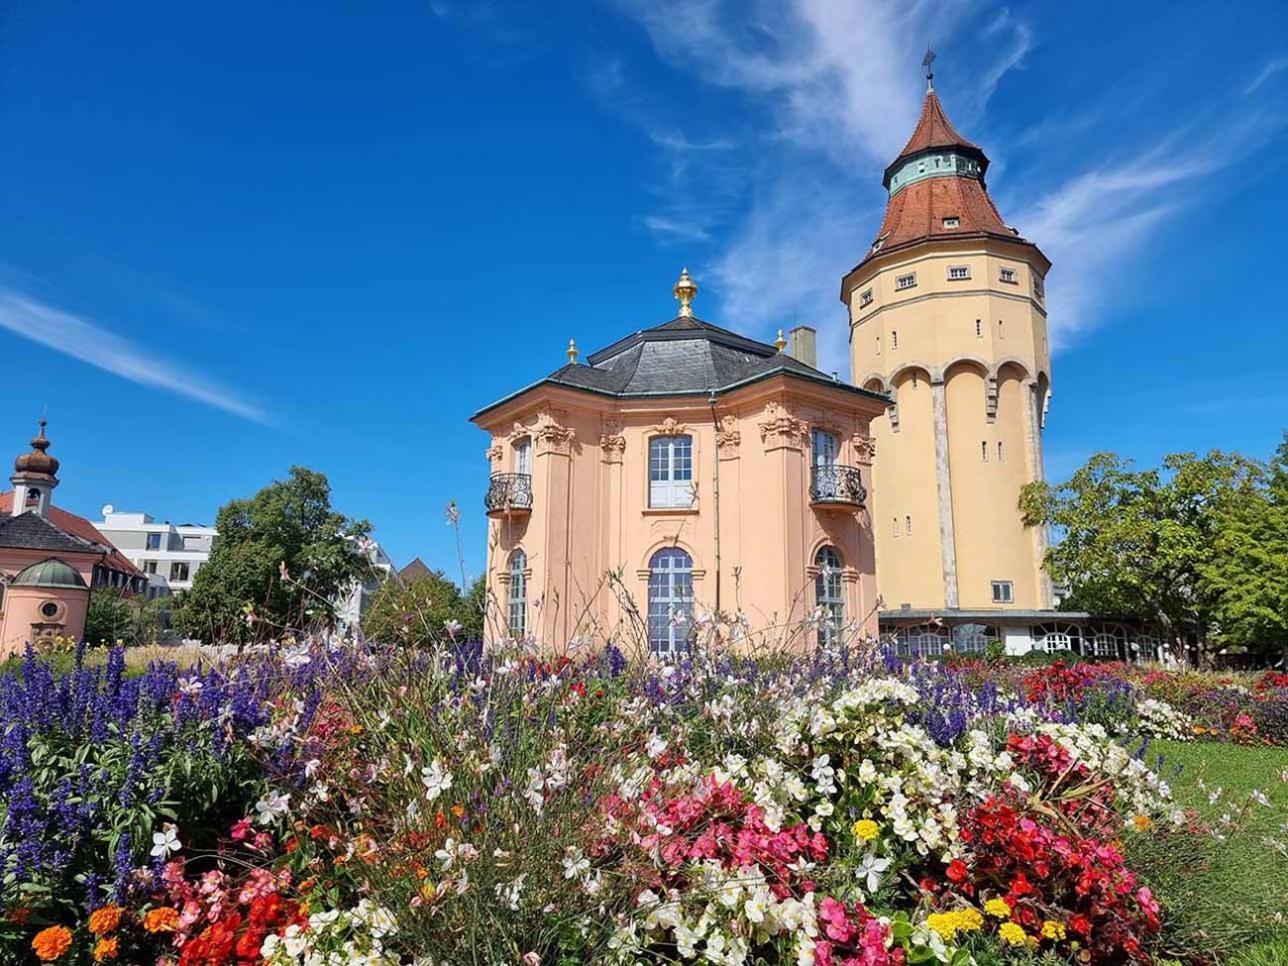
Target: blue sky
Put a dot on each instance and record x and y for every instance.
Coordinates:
(259, 235)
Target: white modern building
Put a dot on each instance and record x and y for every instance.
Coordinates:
(169, 554)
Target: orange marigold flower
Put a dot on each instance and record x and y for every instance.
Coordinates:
(51, 943)
(104, 920)
(458, 811)
(161, 919)
(109, 947)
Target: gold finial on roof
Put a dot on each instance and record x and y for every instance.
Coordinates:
(685, 290)
(572, 352)
(780, 343)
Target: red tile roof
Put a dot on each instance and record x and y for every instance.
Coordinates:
(80, 527)
(933, 130)
(918, 211)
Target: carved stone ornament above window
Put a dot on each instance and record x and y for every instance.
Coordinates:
(494, 453)
(670, 427)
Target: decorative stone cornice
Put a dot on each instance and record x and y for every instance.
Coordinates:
(783, 430)
(865, 448)
(613, 447)
(551, 435)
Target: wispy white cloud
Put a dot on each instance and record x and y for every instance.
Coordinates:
(837, 88)
(678, 229)
(1268, 70)
(80, 338)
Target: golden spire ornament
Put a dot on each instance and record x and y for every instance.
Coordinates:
(685, 290)
(572, 352)
(780, 343)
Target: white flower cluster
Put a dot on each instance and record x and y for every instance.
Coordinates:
(1158, 719)
(349, 937)
(1141, 789)
(720, 918)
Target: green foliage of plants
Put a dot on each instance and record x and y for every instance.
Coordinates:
(1140, 541)
(417, 613)
(114, 616)
(1249, 569)
(282, 557)
(1221, 882)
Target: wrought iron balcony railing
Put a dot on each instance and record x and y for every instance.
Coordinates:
(837, 485)
(509, 493)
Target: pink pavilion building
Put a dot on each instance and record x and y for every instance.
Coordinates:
(50, 559)
(682, 472)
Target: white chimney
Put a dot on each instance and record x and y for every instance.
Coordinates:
(802, 342)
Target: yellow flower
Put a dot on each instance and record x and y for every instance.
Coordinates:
(998, 908)
(1143, 823)
(104, 920)
(109, 947)
(1051, 929)
(865, 830)
(949, 924)
(51, 943)
(1012, 935)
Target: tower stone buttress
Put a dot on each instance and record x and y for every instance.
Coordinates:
(948, 316)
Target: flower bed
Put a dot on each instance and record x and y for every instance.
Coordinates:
(326, 804)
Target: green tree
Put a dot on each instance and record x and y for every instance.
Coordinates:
(416, 614)
(115, 615)
(281, 559)
(1249, 570)
(1138, 542)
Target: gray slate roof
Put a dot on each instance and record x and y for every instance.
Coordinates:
(30, 531)
(685, 356)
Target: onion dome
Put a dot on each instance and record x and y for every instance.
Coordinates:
(38, 462)
(49, 573)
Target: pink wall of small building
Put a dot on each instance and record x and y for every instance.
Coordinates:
(21, 604)
(591, 533)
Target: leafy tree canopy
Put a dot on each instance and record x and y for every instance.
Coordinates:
(281, 560)
(1140, 542)
(417, 614)
(1249, 570)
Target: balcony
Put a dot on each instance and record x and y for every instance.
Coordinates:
(509, 494)
(839, 488)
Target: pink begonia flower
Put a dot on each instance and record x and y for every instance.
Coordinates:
(241, 829)
(531, 959)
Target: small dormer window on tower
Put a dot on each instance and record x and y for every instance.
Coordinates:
(951, 222)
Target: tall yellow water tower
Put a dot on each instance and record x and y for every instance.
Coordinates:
(948, 316)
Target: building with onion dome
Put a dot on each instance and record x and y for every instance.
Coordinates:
(683, 470)
(50, 560)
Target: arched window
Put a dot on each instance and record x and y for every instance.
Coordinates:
(1057, 637)
(670, 600)
(517, 600)
(670, 471)
(973, 638)
(830, 596)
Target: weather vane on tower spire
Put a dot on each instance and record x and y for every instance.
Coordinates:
(926, 62)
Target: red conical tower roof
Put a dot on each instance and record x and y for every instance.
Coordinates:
(937, 189)
(933, 130)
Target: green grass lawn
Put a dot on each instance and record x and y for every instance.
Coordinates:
(1224, 894)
